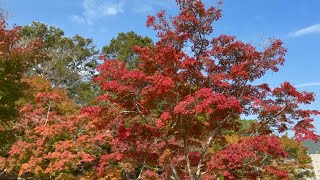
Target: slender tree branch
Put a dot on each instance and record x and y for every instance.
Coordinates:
(186, 149)
(207, 146)
(175, 173)
(142, 168)
(47, 117)
(264, 124)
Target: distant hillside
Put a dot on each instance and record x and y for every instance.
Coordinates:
(313, 148)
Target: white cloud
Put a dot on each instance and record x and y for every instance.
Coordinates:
(308, 84)
(96, 9)
(313, 29)
(78, 19)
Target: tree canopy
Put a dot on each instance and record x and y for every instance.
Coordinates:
(15, 60)
(71, 61)
(178, 105)
(121, 48)
(168, 110)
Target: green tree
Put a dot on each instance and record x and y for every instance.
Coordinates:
(72, 60)
(121, 48)
(298, 163)
(84, 93)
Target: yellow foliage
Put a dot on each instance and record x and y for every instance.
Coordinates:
(37, 84)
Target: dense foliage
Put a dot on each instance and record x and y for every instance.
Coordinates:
(172, 114)
(15, 60)
(121, 48)
(70, 63)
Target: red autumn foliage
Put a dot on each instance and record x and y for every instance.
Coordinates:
(16, 58)
(169, 117)
(54, 143)
(180, 102)
(246, 159)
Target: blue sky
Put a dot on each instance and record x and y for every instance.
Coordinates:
(297, 23)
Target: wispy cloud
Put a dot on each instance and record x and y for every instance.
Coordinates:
(78, 19)
(313, 29)
(95, 9)
(308, 84)
(146, 6)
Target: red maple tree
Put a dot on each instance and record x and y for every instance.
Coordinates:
(188, 92)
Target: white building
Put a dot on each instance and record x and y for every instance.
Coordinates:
(316, 164)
